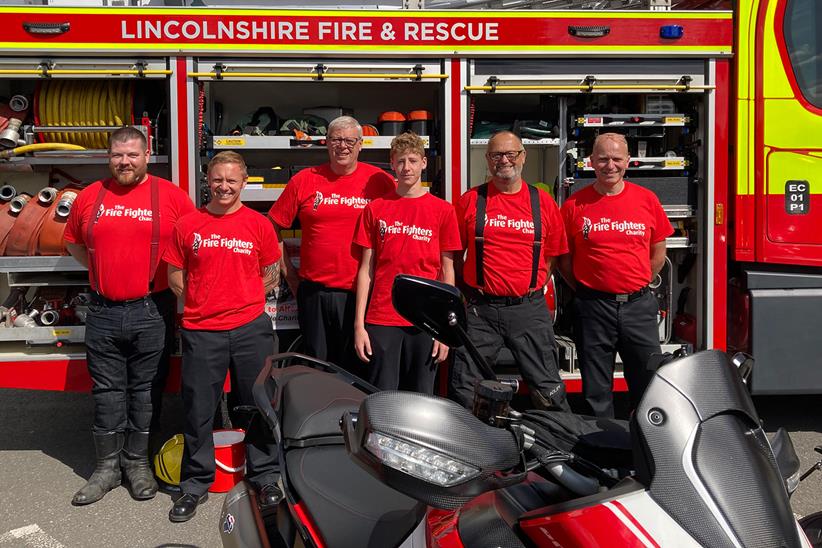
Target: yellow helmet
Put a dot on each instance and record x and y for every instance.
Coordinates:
(168, 460)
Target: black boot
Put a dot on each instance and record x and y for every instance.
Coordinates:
(106, 475)
(134, 460)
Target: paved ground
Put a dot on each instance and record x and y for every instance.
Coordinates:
(46, 451)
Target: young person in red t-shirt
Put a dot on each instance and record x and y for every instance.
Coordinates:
(328, 200)
(505, 274)
(409, 231)
(616, 233)
(118, 228)
(222, 259)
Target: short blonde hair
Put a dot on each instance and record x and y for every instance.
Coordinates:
(407, 142)
(228, 157)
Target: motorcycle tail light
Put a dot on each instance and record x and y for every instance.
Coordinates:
(418, 461)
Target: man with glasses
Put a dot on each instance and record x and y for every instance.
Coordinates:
(119, 228)
(512, 232)
(328, 200)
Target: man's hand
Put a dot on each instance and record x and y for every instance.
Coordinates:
(439, 352)
(362, 344)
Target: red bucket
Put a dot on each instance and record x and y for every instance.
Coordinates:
(229, 455)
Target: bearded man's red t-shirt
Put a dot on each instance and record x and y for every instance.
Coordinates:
(119, 268)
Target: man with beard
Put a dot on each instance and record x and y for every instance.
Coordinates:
(119, 228)
(328, 200)
(616, 232)
(512, 233)
(223, 329)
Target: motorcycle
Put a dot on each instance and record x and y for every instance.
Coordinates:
(363, 468)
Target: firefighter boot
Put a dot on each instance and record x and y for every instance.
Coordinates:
(106, 475)
(134, 460)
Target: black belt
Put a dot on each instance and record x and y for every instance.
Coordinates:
(108, 302)
(480, 297)
(584, 292)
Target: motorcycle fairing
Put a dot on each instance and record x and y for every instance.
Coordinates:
(629, 519)
(348, 506)
(705, 458)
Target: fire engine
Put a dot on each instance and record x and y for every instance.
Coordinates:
(721, 110)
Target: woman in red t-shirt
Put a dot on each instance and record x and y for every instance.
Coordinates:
(409, 231)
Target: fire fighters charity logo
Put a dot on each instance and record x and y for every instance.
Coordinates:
(100, 212)
(383, 229)
(586, 227)
(318, 198)
(195, 244)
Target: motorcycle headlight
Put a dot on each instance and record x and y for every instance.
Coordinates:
(419, 461)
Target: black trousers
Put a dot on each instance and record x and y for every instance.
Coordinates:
(526, 330)
(603, 327)
(207, 357)
(326, 317)
(167, 306)
(401, 359)
(125, 342)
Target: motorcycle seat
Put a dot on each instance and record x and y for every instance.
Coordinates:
(314, 402)
(348, 506)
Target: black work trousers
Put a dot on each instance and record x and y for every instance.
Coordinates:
(401, 358)
(603, 327)
(125, 342)
(326, 317)
(207, 357)
(526, 330)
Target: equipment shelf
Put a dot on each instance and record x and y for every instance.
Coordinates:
(284, 142)
(68, 334)
(526, 142)
(72, 158)
(65, 263)
(653, 162)
(632, 120)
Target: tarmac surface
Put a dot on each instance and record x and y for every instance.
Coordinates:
(46, 453)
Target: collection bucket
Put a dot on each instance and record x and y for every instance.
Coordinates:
(229, 455)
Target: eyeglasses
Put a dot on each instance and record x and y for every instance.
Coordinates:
(510, 155)
(348, 142)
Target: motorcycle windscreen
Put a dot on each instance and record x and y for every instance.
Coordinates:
(706, 460)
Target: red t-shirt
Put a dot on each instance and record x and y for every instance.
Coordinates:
(122, 236)
(224, 257)
(407, 236)
(328, 207)
(509, 239)
(611, 236)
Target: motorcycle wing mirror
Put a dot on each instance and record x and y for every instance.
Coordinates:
(744, 364)
(439, 310)
(430, 448)
(435, 307)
